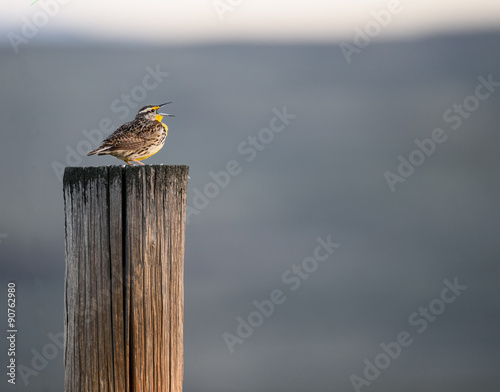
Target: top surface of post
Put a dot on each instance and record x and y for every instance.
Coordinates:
(77, 174)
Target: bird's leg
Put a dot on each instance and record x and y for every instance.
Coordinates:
(139, 162)
(128, 162)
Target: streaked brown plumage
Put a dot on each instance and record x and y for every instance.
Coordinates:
(138, 139)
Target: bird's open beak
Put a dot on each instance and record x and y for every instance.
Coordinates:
(165, 114)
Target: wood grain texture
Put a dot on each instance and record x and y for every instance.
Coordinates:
(124, 284)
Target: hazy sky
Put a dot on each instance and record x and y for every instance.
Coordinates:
(323, 175)
(355, 118)
(195, 20)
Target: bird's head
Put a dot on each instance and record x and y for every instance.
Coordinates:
(150, 112)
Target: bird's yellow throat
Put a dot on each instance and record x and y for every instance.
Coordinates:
(158, 118)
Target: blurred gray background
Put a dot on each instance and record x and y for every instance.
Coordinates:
(325, 174)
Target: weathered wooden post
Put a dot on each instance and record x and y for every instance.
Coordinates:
(124, 290)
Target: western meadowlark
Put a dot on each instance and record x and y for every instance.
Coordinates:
(138, 139)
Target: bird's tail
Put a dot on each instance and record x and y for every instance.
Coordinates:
(99, 151)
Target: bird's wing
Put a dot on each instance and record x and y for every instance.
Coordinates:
(126, 137)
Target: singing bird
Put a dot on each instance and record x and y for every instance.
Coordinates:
(138, 139)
